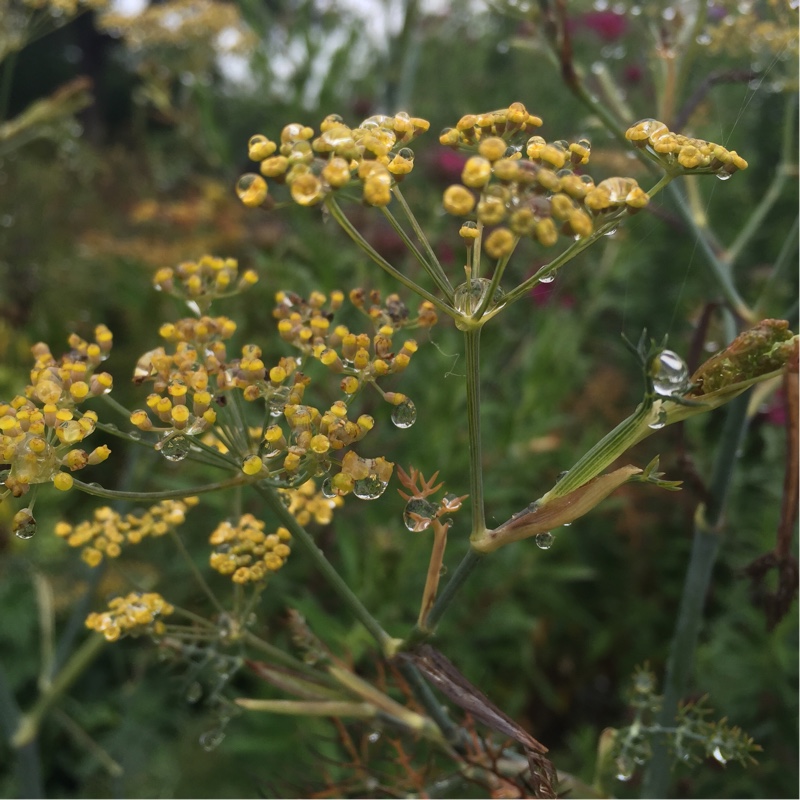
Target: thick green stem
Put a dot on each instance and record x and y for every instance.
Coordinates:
(472, 343)
(705, 545)
(28, 726)
(328, 571)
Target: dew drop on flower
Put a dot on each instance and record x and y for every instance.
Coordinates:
(327, 489)
(278, 401)
(544, 541)
(24, 524)
(470, 294)
(670, 374)
(174, 448)
(723, 176)
(418, 514)
(404, 415)
(212, 739)
(369, 488)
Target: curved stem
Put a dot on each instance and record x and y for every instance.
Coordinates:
(168, 494)
(352, 232)
(705, 546)
(328, 571)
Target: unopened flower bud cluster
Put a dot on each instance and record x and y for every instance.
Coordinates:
(522, 186)
(39, 430)
(134, 614)
(245, 552)
(314, 166)
(104, 534)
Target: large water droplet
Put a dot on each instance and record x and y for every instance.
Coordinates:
(24, 524)
(278, 401)
(404, 414)
(659, 422)
(544, 541)
(212, 739)
(547, 278)
(670, 374)
(174, 448)
(418, 514)
(469, 296)
(369, 488)
(327, 489)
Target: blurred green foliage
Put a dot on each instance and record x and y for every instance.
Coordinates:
(92, 207)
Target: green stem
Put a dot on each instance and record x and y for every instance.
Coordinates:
(705, 545)
(198, 576)
(336, 582)
(497, 276)
(352, 232)
(462, 572)
(432, 265)
(773, 193)
(785, 257)
(719, 268)
(472, 345)
(168, 494)
(27, 765)
(28, 726)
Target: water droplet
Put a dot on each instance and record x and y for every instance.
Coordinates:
(24, 524)
(723, 176)
(212, 739)
(194, 692)
(418, 514)
(174, 448)
(369, 488)
(703, 39)
(470, 294)
(611, 232)
(373, 737)
(670, 374)
(135, 435)
(278, 401)
(567, 524)
(544, 541)
(327, 489)
(404, 415)
(718, 755)
(547, 278)
(659, 422)
(625, 768)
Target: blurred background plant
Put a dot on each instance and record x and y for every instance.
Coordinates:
(121, 138)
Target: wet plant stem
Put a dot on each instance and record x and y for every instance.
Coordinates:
(168, 494)
(472, 347)
(328, 571)
(705, 546)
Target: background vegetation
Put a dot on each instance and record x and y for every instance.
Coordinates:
(142, 176)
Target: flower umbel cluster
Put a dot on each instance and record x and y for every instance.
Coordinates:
(529, 187)
(200, 282)
(375, 153)
(104, 534)
(133, 614)
(39, 430)
(679, 154)
(307, 504)
(245, 552)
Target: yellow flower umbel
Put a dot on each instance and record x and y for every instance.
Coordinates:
(135, 614)
(374, 153)
(39, 430)
(522, 186)
(683, 155)
(245, 552)
(198, 283)
(306, 503)
(104, 534)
